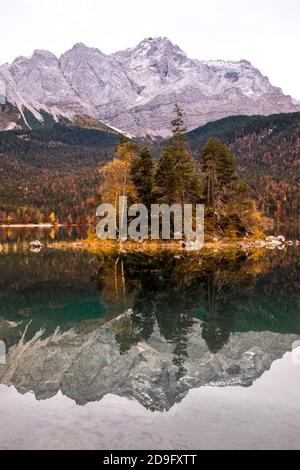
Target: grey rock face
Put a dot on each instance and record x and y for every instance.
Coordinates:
(135, 90)
(87, 366)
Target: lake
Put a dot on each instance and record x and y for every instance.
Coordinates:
(136, 351)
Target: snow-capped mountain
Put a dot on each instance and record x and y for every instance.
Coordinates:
(135, 90)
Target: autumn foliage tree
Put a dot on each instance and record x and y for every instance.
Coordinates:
(116, 176)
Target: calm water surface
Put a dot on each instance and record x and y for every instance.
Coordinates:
(135, 351)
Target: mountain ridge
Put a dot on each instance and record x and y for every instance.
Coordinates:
(135, 89)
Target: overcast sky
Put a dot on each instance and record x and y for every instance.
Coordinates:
(266, 32)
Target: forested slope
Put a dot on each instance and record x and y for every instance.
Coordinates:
(267, 151)
(54, 171)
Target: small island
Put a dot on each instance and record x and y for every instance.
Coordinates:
(177, 177)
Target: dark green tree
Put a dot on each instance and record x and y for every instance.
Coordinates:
(176, 178)
(167, 178)
(178, 127)
(218, 168)
(229, 206)
(142, 174)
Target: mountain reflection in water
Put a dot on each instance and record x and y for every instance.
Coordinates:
(143, 326)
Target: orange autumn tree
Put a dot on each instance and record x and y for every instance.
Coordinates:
(116, 175)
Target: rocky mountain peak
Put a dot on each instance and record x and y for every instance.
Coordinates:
(81, 54)
(135, 90)
(80, 45)
(39, 56)
(151, 46)
(152, 50)
(42, 55)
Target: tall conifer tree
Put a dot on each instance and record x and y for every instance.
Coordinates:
(176, 176)
(142, 174)
(218, 167)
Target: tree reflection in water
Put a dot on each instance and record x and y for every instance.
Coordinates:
(169, 292)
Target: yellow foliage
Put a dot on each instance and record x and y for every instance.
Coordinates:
(52, 217)
(116, 178)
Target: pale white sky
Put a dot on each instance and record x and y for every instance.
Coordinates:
(266, 32)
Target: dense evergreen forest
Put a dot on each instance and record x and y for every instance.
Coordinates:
(53, 174)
